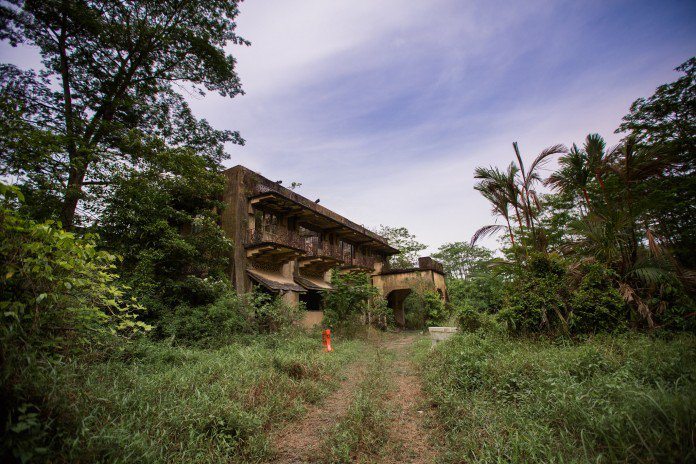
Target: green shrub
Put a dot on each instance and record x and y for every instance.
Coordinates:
(349, 300)
(470, 319)
(482, 291)
(536, 299)
(59, 300)
(596, 305)
(219, 323)
(624, 398)
(424, 308)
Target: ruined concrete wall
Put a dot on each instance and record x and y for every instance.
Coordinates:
(439, 281)
(312, 318)
(386, 283)
(233, 220)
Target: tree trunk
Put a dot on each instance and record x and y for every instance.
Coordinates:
(512, 237)
(77, 167)
(587, 198)
(72, 195)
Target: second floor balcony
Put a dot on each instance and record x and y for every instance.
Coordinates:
(317, 248)
(361, 262)
(274, 244)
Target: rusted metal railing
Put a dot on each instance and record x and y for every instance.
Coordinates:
(367, 262)
(322, 249)
(277, 235)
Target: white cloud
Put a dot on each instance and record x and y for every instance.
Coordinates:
(384, 108)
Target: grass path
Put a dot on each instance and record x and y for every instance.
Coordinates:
(408, 428)
(376, 414)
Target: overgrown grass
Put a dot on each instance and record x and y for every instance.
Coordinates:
(611, 399)
(153, 403)
(361, 435)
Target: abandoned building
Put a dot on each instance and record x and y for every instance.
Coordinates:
(290, 245)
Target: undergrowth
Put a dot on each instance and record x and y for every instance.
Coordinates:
(361, 435)
(154, 403)
(626, 398)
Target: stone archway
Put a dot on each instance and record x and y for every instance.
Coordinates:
(395, 300)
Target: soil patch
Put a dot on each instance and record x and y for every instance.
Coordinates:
(300, 441)
(408, 431)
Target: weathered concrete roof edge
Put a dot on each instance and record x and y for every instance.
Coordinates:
(297, 198)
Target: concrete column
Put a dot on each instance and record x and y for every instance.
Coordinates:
(291, 298)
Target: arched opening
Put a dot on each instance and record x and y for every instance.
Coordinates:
(395, 300)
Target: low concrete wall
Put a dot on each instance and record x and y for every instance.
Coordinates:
(438, 334)
(312, 318)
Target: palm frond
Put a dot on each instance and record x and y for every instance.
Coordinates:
(486, 231)
(631, 296)
(543, 157)
(651, 275)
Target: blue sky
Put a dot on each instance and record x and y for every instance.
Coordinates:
(384, 108)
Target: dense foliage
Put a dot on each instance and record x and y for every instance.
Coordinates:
(424, 308)
(106, 96)
(221, 322)
(162, 222)
(605, 251)
(407, 244)
(60, 299)
(353, 302)
(625, 398)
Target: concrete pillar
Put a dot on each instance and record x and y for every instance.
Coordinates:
(291, 298)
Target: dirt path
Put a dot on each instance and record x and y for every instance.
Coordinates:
(409, 442)
(299, 442)
(408, 431)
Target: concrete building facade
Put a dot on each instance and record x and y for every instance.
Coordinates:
(290, 245)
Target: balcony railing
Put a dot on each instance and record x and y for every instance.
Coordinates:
(367, 262)
(322, 249)
(280, 236)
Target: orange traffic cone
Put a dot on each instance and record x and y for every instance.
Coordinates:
(326, 339)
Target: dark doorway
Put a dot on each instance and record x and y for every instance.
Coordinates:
(313, 300)
(395, 300)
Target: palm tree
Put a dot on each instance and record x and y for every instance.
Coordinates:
(614, 232)
(495, 192)
(506, 182)
(529, 179)
(573, 174)
(596, 157)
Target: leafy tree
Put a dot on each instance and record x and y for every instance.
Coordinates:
(162, 222)
(106, 98)
(481, 292)
(460, 260)
(558, 213)
(667, 119)
(349, 299)
(423, 308)
(407, 244)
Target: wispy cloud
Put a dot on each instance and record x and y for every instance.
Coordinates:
(383, 108)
